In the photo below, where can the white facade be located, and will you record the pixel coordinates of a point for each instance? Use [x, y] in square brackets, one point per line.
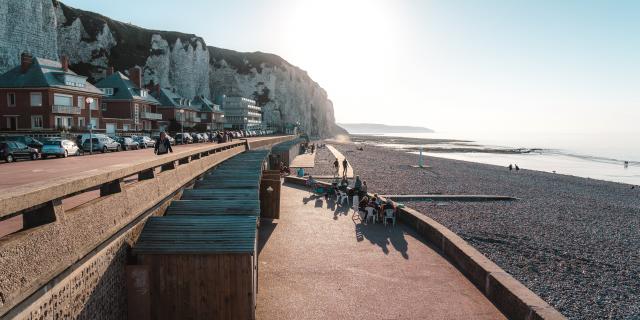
[241, 113]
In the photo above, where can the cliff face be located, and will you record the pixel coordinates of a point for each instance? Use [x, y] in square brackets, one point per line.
[26, 25]
[93, 42]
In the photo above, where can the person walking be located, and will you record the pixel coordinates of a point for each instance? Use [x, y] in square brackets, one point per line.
[336, 165]
[510, 167]
[163, 145]
[345, 164]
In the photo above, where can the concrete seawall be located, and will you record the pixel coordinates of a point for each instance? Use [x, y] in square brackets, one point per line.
[74, 267]
[511, 297]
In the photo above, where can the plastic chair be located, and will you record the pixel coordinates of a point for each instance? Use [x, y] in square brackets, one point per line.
[371, 213]
[355, 203]
[388, 214]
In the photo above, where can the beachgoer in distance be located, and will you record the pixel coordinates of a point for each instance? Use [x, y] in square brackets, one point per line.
[517, 168]
[626, 164]
[163, 145]
[336, 165]
[510, 167]
[345, 164]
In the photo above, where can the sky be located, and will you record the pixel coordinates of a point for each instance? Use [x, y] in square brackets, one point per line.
[565, 66]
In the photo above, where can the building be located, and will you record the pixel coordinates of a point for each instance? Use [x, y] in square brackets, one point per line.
[241, 113]
[42, 94]
[177, 111]
[211, 114]
[127, 105]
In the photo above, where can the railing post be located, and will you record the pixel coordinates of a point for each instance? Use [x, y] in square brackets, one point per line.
[47, 213]
[112, 187]
[168, 166]
[146, 174]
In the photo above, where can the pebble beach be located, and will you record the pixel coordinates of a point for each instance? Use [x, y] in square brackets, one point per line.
[574, 241]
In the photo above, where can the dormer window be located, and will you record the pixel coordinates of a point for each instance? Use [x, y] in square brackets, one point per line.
[74, 81]
[143, 93]
[107, 91]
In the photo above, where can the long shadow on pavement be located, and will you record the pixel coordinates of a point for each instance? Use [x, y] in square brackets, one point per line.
[378, 234]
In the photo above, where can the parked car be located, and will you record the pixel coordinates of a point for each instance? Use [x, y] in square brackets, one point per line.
[144, 141]
[80, 139]
[13, 150]
[31, 142]
[102, 144]
[183, 138]
[198, 137]
[127, 143]
[205, 137]
[60, 148]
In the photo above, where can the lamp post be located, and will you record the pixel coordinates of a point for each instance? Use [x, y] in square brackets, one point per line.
[90, 101]
[182, 125]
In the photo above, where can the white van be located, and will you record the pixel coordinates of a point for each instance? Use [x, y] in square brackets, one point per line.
[80, 139]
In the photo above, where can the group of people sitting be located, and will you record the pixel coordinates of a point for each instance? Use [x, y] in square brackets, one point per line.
[358, 195]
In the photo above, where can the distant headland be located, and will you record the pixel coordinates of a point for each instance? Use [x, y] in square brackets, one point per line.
[355, 128]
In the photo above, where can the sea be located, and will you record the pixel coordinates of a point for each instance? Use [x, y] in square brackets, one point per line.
[590, 155]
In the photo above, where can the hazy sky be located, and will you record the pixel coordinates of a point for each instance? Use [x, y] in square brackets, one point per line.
[452, 65]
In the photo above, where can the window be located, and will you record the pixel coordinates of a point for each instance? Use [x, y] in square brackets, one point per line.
[36, 99]
[125, 127]
[104, 107]
[94, 104]
[81, 122]
[107, 91]
[36, 122]
[136, 113]
[81, 102]
[11, 99]
[143, 93]
[62, 100]
[69, 122]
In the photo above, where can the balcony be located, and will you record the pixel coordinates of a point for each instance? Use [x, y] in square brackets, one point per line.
[151, 116]
[65, 109]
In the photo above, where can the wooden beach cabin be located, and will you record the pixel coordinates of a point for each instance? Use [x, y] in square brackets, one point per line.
[284, 152]
[199, 267]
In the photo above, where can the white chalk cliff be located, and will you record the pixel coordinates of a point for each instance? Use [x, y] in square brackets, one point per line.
[48, 28]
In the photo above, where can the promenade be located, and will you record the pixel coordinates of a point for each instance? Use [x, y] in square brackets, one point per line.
[318, 262]
[25, 172]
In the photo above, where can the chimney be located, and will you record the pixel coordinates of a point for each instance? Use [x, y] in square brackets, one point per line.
[135, 75]
[64, 61]
[109, 71]
[25, 61]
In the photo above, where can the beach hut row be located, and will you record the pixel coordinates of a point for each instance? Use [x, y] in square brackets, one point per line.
[202, 254]
[285, 152]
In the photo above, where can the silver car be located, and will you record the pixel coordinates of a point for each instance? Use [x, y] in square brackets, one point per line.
[60, 148]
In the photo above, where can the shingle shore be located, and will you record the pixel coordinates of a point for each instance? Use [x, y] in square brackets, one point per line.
[573, 241]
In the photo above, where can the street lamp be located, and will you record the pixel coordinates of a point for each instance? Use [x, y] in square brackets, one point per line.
[90, 101]
[182, 125]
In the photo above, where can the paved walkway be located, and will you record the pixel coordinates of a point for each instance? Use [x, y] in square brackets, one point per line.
[341, 157]
[306, 160]
[316, 262]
